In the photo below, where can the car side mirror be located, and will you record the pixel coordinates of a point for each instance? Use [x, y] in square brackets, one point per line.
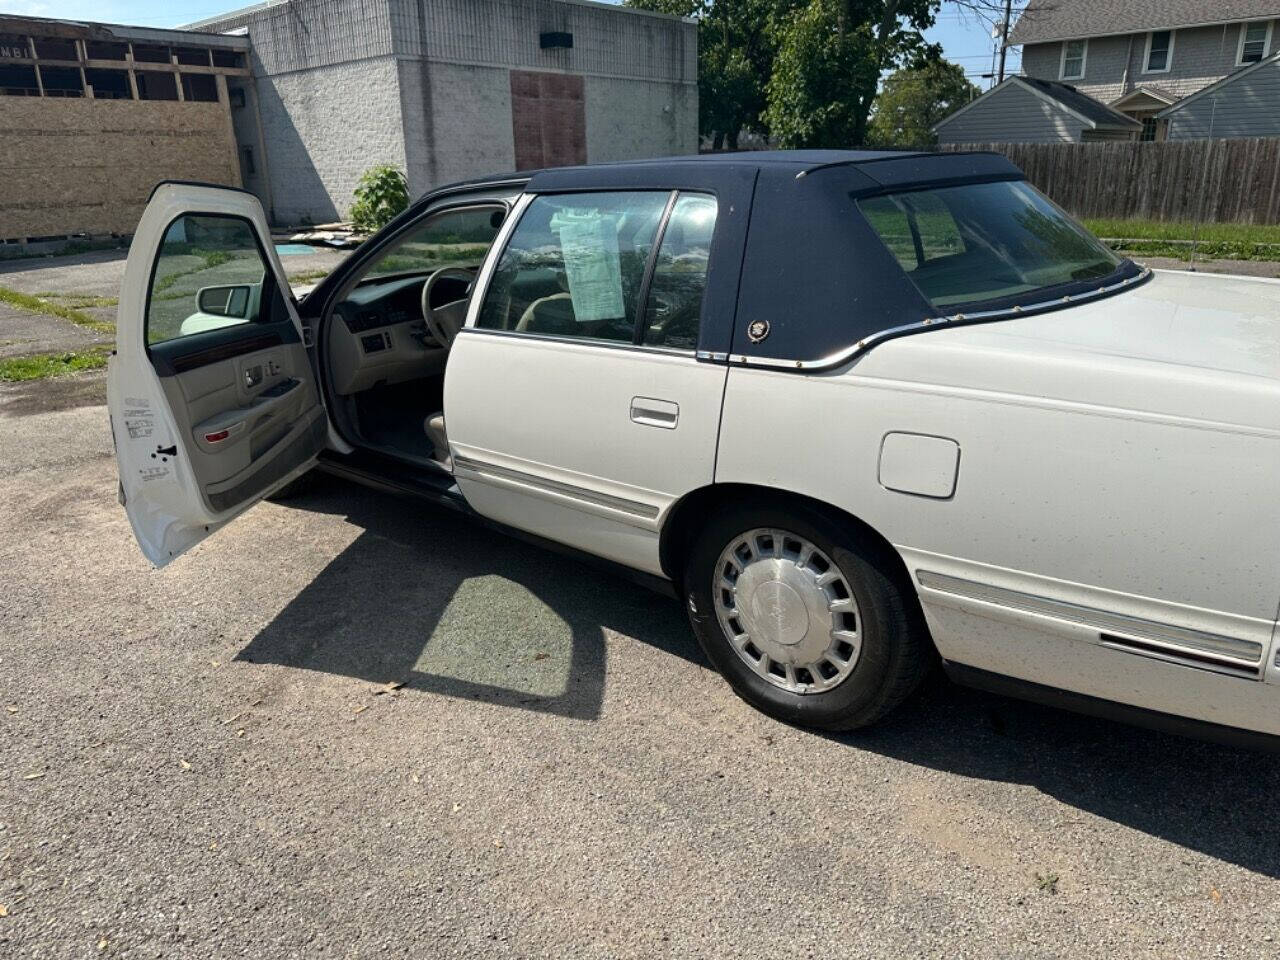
[226, 301]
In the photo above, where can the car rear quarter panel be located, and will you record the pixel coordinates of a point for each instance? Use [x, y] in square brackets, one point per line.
[1166, 518]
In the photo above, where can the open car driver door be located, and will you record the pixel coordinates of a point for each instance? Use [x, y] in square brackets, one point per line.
[212, 397]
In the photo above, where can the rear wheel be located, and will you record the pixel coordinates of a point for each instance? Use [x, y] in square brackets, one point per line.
[805, 622]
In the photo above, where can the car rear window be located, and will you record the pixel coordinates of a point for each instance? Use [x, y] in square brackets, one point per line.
[982, 242]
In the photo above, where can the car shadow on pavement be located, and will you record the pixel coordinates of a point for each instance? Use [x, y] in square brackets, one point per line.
[520, 625]
[1206, 797]
[444, 604]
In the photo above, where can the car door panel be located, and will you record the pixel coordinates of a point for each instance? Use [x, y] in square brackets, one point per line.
[208, 422]
[568, 461]
[583, 433]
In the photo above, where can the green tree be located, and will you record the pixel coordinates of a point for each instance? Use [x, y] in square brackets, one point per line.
[830, 57]
[736, 48]
[914, 99]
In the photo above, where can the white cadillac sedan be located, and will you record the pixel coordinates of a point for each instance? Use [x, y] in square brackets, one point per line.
[857, 410]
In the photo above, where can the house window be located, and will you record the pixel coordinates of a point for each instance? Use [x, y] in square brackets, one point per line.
[1073, 57]
[1153, 129]
[1159, 51]
[250, 168]
[1255, 38]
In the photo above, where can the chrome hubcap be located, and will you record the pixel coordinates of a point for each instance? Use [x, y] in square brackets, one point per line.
[787, 610]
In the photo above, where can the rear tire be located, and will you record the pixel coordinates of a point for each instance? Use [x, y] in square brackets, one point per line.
[804, 618]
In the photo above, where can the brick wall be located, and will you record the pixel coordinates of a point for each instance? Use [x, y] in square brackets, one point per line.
[79, 165]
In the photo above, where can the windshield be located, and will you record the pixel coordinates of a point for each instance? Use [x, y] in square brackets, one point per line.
[985, 241]
[453, 238]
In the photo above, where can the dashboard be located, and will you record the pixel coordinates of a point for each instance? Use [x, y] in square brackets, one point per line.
[379, 335]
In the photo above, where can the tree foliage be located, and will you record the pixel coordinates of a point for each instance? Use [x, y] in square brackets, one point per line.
[803, 72]
[736, 48]
[831, 54]
[381, 193]
[912, 100]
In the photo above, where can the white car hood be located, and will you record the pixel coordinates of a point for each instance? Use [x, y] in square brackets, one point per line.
[1200, 346]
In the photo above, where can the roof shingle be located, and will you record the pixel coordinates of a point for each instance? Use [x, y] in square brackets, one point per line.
[1046, 20]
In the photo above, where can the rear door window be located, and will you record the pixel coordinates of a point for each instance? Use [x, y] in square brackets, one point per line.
[674, 305]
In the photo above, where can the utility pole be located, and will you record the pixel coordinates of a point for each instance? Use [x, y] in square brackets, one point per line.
[1004, 38]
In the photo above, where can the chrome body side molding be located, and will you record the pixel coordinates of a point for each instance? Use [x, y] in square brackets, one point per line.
[1195, 648]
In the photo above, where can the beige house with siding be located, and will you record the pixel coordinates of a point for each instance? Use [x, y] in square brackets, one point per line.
[1140, 58]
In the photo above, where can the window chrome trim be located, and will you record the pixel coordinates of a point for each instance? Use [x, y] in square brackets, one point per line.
[490, 265]
[1230, 651]
[582, 341]
[841, 357]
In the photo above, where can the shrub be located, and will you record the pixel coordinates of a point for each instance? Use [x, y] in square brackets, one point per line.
[381, 193]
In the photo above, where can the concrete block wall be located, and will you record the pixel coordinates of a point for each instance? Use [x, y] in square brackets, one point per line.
[324, 127]
[81, 165]
[1201, 56]
[425, 84]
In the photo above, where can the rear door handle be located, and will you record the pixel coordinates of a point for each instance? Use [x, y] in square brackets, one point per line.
[655, 413]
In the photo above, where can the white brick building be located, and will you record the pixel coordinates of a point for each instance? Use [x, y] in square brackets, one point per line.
[450, 89]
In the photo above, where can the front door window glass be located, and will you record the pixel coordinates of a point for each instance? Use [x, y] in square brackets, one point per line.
[209, 274]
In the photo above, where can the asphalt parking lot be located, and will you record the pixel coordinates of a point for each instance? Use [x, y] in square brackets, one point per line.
[216, 760]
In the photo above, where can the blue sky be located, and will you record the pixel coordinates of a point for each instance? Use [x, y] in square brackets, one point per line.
[963, 38]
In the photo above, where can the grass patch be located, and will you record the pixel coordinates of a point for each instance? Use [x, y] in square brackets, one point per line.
[1227, 241]
[78, 301]
[306, 276]
[35, 304]
[44, 365]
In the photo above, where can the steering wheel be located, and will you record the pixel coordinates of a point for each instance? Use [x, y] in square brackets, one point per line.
[444, 322]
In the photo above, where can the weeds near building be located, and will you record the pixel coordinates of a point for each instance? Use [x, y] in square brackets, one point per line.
[381, 193]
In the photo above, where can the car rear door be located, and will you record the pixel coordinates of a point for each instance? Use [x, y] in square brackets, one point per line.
[212, 399]
[582, 399]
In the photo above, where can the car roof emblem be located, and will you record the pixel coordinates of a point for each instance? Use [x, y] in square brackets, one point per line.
[757, 330]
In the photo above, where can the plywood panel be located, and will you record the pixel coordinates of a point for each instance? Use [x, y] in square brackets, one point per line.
[87, 166]
[548, 119]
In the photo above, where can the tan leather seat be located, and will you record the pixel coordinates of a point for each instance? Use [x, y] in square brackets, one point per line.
[434, 427]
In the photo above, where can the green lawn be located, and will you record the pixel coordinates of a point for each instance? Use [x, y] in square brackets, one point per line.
[52, 364]
[50, 307]
[1231, 241]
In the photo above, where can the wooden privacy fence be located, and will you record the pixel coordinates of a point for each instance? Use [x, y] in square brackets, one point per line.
[1224, 181]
